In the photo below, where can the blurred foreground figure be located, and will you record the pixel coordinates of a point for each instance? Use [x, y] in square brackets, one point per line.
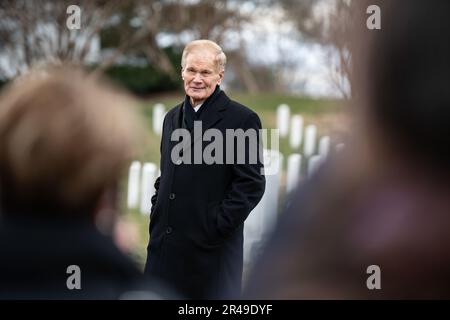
[385, 200]
[64, 141]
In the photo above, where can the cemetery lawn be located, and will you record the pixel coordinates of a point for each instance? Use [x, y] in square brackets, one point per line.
[328, 115]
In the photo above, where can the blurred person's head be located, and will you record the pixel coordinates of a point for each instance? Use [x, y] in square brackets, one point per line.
[385, 201]
[400, 80]
[64, 141]
[203, 67]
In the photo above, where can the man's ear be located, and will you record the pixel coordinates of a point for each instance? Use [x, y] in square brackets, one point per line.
[221, 73]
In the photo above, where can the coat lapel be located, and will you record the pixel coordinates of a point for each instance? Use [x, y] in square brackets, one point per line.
[174, 124]
[176, 119]
[211, 116]
[214, 111]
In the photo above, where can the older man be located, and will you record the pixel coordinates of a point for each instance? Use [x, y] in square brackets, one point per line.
[198, 210]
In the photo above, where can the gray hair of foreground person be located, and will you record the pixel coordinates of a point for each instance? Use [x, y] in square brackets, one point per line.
[64, 141]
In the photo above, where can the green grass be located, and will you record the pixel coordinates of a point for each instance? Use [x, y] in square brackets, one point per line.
[270, 101]
[321, 112]
[328, 115]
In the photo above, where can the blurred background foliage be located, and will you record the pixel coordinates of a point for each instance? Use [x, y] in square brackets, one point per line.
[285, 46]
[288, 51]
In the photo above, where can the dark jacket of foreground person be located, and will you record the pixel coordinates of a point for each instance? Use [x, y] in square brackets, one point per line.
[36, 256]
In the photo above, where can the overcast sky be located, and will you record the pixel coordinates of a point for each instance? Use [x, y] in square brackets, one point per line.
[270, 40]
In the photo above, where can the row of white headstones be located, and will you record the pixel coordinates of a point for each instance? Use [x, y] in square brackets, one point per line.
[262, 219]
[284, 123]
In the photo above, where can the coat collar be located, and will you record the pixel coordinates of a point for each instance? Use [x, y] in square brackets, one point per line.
[212, 113]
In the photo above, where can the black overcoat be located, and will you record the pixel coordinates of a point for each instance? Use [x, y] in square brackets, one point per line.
[198, 210]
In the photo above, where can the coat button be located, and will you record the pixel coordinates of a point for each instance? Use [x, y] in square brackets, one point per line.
[172, 196]
[169, 230]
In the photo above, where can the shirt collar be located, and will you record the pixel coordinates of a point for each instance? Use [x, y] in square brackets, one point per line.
[198, 107]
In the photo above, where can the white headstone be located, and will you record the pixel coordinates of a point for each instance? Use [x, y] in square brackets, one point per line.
[309, 146]
[293, 171]
[267, 208]
[149, 171]
[313, 164]
[324, 146]
[271, 195]
[158, 118]
[283, 113]
[133, 184]
[262, 219]
[253, 233]
[295, 138]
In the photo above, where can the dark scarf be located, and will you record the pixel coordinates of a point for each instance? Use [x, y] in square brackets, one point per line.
[189, 114]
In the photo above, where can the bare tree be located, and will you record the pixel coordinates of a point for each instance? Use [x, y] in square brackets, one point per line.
[148, 15]
[328, 22]
[212, 20]
[33, 32]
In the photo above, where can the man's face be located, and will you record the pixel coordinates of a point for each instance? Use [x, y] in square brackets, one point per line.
[200, 75]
